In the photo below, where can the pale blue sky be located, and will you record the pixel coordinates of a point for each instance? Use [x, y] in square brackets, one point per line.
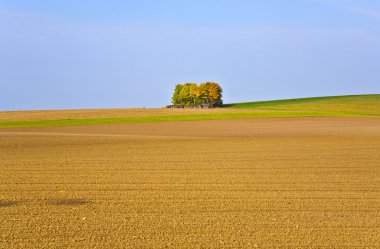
[117, 53]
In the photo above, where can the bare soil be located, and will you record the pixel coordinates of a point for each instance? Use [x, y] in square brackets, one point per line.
[264, 183]
[104, 113]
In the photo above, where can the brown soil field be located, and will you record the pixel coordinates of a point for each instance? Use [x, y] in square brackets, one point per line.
[105, 113]
[260, 183]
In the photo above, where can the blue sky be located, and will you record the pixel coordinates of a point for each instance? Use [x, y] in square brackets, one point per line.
[65, 54]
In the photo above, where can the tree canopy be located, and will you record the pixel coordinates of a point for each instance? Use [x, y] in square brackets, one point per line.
[191, 94]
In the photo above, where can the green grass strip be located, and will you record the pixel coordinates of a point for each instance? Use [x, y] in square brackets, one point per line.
[173, 118]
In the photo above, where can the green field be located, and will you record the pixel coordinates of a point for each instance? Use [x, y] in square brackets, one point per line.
[342, 105]
[335, 106]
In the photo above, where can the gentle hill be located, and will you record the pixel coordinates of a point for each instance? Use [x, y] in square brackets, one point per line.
[355, 105]
[337, 106]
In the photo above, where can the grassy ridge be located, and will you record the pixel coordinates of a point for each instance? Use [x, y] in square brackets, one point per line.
[351, 104]
[339, 106]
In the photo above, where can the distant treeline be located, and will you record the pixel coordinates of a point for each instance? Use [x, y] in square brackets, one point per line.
[191, 94]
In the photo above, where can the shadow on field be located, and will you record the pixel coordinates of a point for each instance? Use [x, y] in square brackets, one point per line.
[69, 202]
[5, 203]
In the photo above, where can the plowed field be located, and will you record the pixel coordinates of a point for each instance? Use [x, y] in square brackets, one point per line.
[264, 183]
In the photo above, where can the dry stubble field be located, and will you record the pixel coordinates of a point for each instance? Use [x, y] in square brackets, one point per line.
[264, 183]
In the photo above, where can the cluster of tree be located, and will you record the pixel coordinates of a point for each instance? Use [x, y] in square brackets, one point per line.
[191, 94]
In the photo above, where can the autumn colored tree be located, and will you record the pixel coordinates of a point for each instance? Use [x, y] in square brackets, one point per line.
[192, 94]
[183, 94]
[214, 93]
[176, 99]
[203, 93]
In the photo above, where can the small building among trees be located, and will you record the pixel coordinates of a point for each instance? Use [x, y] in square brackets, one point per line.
[190, 95]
